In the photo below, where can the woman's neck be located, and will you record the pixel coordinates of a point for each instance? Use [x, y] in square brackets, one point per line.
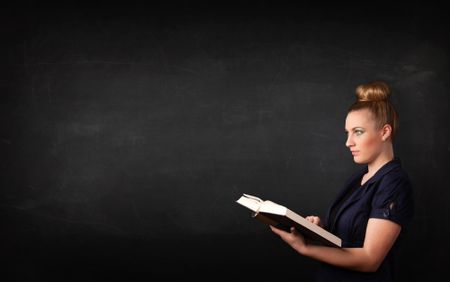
[386, 156]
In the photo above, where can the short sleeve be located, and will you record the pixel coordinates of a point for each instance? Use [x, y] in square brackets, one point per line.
[394, 199]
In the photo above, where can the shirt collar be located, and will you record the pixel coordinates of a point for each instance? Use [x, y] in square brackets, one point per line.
[387, 167]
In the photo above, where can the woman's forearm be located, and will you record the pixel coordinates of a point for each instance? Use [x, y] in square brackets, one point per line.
[351, 258]
[366, 259]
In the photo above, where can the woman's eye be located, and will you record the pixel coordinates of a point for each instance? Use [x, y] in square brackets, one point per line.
[359, 132]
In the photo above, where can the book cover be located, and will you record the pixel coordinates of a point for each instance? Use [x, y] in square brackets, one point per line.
[281, 217]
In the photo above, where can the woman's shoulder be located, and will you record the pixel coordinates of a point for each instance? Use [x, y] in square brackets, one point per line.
[393, 197]
[397, 180]
[390, 172]
[397, 173]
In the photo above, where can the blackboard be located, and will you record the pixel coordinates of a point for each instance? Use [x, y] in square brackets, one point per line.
[129, 132]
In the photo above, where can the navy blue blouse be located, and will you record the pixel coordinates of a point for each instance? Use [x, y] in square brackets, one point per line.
[386, 195]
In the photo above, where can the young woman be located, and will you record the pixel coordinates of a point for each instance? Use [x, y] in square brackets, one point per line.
[376, 204]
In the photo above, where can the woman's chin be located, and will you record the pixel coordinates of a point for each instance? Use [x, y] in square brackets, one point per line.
[358, 160]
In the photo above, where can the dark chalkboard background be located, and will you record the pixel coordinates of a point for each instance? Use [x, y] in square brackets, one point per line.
[128, 132]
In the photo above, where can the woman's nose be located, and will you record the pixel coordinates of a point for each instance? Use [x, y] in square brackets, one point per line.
[349, 142]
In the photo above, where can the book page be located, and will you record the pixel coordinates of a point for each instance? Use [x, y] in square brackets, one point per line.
[258, 205]
[251, 203]
[253, 197]
[271, 207]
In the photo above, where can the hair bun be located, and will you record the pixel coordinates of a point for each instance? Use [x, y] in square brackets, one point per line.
[374, 91]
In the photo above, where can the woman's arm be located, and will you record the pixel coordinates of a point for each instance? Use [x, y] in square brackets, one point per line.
[380, 237]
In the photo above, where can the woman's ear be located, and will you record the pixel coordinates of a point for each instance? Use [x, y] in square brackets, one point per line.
[386, 132]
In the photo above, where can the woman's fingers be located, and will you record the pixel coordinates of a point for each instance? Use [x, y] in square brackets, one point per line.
[314, 219]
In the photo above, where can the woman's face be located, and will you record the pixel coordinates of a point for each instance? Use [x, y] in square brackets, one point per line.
[364, 139]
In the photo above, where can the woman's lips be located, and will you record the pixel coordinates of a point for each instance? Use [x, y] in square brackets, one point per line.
[354, 153]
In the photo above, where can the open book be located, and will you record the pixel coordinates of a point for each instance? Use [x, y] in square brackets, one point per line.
[283, 218]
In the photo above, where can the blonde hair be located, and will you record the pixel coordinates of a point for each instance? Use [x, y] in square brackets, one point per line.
[374, 96]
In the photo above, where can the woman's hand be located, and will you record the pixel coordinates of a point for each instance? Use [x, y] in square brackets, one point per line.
[314, 219]
[293, 238]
